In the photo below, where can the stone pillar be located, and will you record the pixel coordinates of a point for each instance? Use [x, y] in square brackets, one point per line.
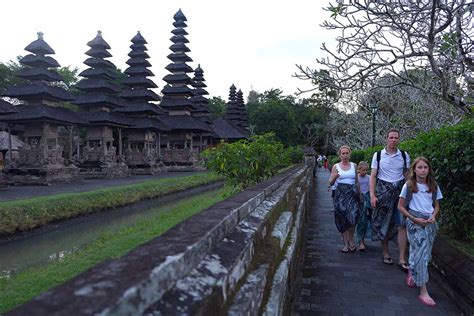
[159, 144]
[44, 141]
[71, 129]
[9, 143]
[120, 142]
[200, 146]
[78, 146]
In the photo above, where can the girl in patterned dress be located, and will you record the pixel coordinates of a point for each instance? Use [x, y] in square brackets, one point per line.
[419, 202]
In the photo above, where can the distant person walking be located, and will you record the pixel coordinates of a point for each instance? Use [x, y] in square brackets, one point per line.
[346, 205]
[326, 164]
[389, 168]
[419, 202]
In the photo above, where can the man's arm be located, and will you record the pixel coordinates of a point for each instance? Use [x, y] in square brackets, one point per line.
[373, 179]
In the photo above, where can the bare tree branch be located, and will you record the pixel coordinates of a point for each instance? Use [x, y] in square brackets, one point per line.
[377, 38]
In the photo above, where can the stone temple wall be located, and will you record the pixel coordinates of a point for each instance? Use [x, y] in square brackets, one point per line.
[238, 257]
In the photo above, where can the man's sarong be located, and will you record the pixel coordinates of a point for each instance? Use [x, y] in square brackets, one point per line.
[421, 239]
[346, 208]
[385, 214]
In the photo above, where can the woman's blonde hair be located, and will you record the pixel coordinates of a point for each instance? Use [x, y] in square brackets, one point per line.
[342, 147]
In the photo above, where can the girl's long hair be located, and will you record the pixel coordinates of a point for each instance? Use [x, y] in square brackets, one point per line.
[430, 180]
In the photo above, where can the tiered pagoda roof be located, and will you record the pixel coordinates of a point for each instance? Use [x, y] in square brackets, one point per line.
[233, 112]
[38, 71]
[177, 91]
[138, 92]
[7, 108]
[200, 102]
[236, 112]
[100, 92]
[37, 90]
[244, 121]
[224, 129]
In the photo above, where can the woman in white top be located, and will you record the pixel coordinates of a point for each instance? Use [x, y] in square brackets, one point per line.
[346, 204]
[419, 202]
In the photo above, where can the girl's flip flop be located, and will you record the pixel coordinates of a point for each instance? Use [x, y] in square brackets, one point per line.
[428, 301]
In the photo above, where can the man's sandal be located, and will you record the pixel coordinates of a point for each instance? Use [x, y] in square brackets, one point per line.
[387, 260]
[403, 266]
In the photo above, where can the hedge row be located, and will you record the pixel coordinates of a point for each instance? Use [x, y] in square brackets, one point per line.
[451, 153]
[23, 215]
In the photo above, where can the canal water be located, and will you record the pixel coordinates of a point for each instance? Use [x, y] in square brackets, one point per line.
[57, 241]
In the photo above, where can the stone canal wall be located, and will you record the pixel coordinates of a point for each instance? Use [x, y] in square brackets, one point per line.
[236, 257]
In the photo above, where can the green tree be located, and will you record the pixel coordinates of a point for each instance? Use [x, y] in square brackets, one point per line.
[274, 112]
[8, 74]
[217, 107]
[70, 76]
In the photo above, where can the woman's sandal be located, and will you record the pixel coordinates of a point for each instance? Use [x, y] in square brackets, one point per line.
[345, 250]
[387, 260]
[403, 266]
[428, 301]
[352, 248]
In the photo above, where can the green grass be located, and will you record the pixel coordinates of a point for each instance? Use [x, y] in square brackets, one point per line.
[26, 214]
[27, 284]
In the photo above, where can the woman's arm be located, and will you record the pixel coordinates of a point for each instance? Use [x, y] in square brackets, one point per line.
[334, 175]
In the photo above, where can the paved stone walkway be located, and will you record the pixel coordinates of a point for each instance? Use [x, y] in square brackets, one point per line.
[333, 283]
[22, 192]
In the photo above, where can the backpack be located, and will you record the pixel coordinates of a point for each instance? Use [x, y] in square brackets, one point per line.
[404, 156]
[434, 194]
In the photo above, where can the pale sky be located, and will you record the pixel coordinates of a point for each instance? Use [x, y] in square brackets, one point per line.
[249, 43]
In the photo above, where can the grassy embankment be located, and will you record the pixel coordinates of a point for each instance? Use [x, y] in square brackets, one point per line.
[24, 215]
[112, 244]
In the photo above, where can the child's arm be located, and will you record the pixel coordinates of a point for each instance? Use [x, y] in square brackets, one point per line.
[432, 218]
[416, 220]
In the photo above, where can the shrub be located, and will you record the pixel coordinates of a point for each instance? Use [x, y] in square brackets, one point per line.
[357, 156]
[248, 162]
[295, 154]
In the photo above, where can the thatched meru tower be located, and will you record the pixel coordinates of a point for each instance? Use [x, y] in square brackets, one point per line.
[243, 121]
[233, 111]
[199, 101]
[43, 159]
[229, 127]
[143, 139]
[177, 95]
[102, 151]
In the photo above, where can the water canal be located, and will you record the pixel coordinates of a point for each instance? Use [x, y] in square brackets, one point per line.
[57, 241]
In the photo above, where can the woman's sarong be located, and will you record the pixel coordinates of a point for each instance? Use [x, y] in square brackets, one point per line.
[421, 239]
[363, 223]
[346, 208]
[385, 212]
